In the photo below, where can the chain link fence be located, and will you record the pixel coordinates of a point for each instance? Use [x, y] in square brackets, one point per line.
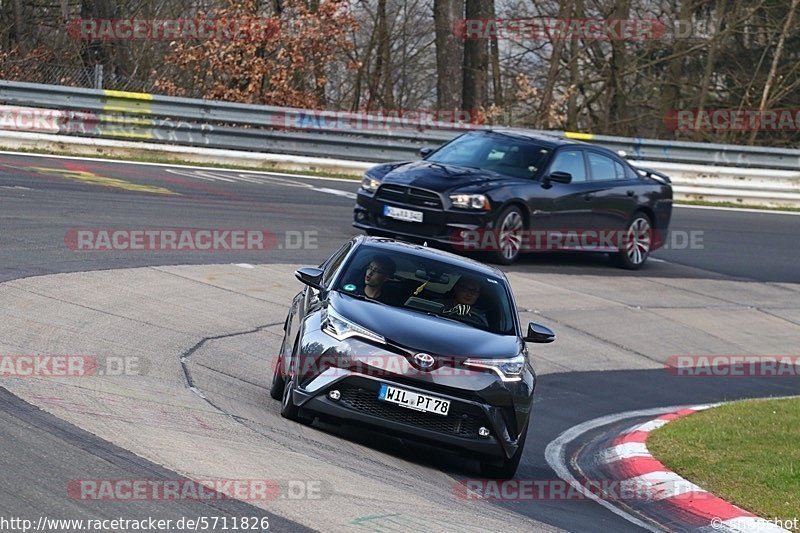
[93, 77]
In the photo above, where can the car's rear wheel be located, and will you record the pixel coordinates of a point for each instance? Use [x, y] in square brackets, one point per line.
[510, 225]
[636, 243]
[289, 409]
[508, 467]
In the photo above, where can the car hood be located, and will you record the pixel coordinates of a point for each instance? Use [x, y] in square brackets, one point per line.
[438, 177]
[423, 333]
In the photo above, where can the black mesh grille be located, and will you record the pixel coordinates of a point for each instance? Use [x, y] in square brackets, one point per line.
[460, 421]
[409, 196]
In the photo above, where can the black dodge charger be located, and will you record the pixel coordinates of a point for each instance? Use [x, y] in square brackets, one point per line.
[507, 192]
[416, 342]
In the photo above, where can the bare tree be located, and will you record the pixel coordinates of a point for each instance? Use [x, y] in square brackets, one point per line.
[476, 60]
[449, 53]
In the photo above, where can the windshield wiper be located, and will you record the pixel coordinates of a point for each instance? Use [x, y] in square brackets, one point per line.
[441, 166]
[443, 317]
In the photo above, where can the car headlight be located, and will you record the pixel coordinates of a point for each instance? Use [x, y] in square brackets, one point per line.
[507, 369]
[340, 328]
[470, 201]
[369, 183]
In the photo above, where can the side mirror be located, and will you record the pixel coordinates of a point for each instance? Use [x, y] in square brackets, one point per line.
[425, 152]
[560, 177]
[539, 333]
[311, 276]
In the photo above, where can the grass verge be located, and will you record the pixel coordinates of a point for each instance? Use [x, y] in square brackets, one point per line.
[747, 453]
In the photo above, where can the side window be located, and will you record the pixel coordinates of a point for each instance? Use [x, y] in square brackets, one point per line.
[619, 170]
[570, 161]
[332, 265]
[602, 167]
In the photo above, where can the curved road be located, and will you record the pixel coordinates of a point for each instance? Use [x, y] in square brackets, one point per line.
[690, 301]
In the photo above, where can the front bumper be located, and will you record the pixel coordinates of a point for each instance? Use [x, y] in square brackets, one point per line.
[359, 404]
[440, 226]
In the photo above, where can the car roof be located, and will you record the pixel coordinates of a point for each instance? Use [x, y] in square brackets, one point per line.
[388, 244]
[549, 140]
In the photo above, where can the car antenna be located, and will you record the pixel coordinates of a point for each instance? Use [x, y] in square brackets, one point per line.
[425, 244]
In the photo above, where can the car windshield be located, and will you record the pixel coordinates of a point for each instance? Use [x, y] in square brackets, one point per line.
[497, 152]
[428, 286]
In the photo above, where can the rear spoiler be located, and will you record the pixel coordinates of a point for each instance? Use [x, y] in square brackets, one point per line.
[654, 174]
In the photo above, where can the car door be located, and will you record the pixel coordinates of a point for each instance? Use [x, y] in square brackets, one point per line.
[571, 202]
[615, 197]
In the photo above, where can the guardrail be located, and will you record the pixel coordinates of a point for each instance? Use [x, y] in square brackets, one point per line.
[71, 111]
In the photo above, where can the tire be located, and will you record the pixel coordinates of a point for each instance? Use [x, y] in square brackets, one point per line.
[278, 376]
[278, 381]
[510, 224]
[289, 410]
[508, 467]
[638, 241]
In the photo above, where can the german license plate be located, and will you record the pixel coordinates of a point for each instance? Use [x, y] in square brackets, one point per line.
[414, 400]
[399, 213]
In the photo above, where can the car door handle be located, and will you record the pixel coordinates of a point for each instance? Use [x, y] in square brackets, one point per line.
[630, 193]
[588, 196]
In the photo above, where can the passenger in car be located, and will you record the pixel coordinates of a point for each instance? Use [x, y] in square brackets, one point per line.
[461, 299]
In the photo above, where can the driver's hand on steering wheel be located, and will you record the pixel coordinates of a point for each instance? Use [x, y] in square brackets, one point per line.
[460, 309]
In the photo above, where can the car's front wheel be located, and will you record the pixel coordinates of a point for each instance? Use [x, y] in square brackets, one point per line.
[289, 409]
[278, 381]
[636, 243]
[510, 226]
[508, 467]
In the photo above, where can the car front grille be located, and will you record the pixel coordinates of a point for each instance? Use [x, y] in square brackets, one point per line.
[409, 196]
[460, 421]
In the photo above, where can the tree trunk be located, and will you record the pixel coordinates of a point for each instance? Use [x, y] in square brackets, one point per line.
[574, 75]
[775, 61]
[545, 111]
[385, 50]
[381, 76]
[476, 60]
[711, 56]
[617, 120]
[494, 49]
[449, 53]
[671, 91]
[19, 25]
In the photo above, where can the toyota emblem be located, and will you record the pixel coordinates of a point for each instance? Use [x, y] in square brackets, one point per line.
[424, 360]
